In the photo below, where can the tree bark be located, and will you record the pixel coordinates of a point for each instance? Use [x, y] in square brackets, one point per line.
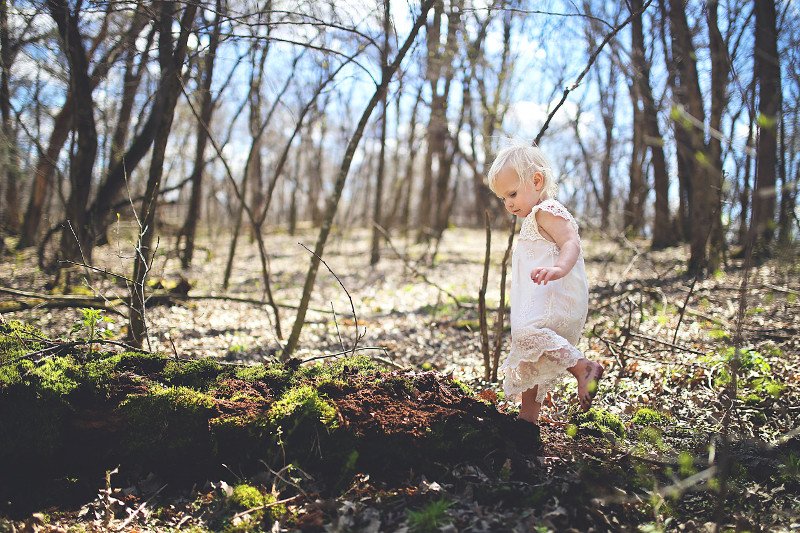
[719, 100]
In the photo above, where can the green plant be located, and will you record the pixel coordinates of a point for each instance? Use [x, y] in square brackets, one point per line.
[96, 325]
[430, 518]
[790, 469]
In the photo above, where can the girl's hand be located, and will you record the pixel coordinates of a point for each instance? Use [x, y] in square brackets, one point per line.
[541, 275]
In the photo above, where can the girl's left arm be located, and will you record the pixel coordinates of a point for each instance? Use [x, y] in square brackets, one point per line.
[565, 236]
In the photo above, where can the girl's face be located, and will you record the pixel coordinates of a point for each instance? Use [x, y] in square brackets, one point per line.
[518, 197]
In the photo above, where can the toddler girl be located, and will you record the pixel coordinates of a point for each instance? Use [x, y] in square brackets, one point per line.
[549, 291]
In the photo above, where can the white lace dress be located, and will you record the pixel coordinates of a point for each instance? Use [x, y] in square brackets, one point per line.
[546, 320]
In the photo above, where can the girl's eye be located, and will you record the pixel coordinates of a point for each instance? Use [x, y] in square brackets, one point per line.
[513, 194]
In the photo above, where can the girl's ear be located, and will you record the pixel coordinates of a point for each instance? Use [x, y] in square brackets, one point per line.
[538, 181]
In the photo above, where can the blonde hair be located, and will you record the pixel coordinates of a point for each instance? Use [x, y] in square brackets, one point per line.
[525, 160]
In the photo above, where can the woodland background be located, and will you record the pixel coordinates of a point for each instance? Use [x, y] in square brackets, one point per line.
[256, 181]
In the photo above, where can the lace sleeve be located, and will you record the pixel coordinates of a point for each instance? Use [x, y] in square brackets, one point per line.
[556, 208]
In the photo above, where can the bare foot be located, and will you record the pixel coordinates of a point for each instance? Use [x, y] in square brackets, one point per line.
[529, 409]
[588, 373]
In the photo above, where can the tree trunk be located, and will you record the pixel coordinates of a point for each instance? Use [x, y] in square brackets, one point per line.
[634, 211]
[8, 151]
[434, 135]
[333, 200]
[375, 251]
[62, 125]
[719, 101]
[768, 70]
[608, 107]
[788, 190]
[75, 236]
[170, 63]
[663, 235]
[206, 112]
[689, 118]
[744, 194]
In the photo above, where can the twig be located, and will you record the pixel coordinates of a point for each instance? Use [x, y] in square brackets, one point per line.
[665, 343]
[381, 348]
[610, 343]
[336, 323]
[501, 307]
[487, 362]
[265, 506]
[352, 306]
[56, 346]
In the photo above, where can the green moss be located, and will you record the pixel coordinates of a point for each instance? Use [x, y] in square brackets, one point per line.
[649, 417]
[143, 362]
[12, 374]
[686, 466]
[342, 369]
[303, 402]
[246, 497]
[17, 339]
[168, 424]
[58, 376]
[650, 439]
[600, 421]
[276, 375]
[398, 383]
[197, 374]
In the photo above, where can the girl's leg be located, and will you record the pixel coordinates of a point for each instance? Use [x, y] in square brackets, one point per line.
[587, 373]
[529, 409]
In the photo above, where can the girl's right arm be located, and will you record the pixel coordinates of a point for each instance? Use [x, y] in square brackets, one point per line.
[566, 238]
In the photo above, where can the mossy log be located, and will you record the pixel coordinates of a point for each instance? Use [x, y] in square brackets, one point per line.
[148, 412]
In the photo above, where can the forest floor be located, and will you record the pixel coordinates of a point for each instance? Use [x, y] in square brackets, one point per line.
[647, 458]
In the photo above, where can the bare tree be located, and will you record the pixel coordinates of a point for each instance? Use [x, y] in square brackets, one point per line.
[75, 234]
[333, 200]
[768, 71]
[663, 235]
[378, 198]
[8, 143]
[206, 112]
[689, 117]
[170, 57]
